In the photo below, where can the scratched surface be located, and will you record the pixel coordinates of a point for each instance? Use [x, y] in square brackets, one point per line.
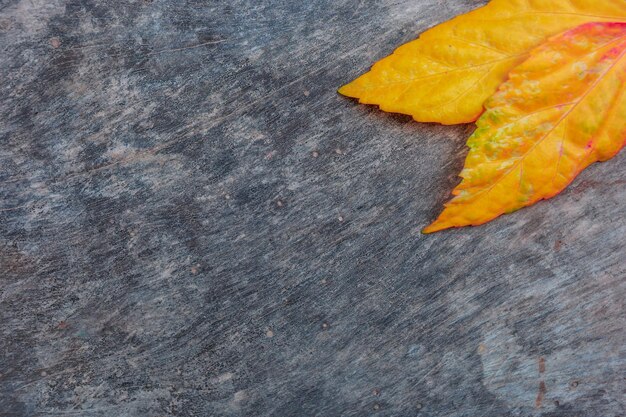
[193, 223]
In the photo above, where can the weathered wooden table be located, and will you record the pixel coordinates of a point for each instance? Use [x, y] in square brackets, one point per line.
[193, 223]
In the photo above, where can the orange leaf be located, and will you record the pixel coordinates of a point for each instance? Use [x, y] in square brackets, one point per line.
[561, 110]
[447, 74]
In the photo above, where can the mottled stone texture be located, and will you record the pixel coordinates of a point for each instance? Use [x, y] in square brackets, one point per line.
[193, 223]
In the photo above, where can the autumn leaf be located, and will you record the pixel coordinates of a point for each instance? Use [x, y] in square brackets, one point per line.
[561, 110]
[447, 74]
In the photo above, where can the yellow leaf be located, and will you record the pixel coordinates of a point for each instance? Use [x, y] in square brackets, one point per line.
[561, 110]
[447, 74]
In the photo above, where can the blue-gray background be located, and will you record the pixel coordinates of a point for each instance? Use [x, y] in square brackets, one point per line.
[193, 223]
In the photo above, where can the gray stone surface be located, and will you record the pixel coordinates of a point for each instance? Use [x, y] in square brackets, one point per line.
[193, 223]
